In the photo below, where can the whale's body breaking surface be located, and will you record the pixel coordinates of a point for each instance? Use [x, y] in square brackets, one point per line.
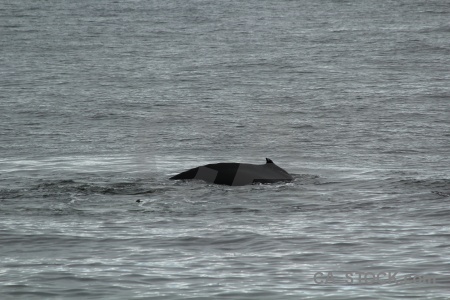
[237, 173]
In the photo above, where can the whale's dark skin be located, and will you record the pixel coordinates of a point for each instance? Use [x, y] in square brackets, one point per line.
[237, 173]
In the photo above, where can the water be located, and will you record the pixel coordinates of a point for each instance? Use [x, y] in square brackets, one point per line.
[102, 102]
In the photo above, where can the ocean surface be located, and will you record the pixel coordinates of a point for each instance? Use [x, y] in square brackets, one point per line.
[102, 101]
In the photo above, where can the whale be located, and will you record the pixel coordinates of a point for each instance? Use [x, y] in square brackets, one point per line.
[236, 174]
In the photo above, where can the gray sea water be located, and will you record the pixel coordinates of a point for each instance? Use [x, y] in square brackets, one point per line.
[102, 101]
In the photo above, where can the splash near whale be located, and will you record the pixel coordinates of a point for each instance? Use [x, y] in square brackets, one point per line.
[236, 174]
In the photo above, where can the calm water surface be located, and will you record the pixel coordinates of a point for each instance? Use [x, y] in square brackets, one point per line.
[102, 102]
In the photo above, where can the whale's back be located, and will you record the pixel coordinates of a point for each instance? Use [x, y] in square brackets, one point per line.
[237, 173]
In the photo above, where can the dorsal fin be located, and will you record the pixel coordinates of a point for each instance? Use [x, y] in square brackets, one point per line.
[269, 161]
